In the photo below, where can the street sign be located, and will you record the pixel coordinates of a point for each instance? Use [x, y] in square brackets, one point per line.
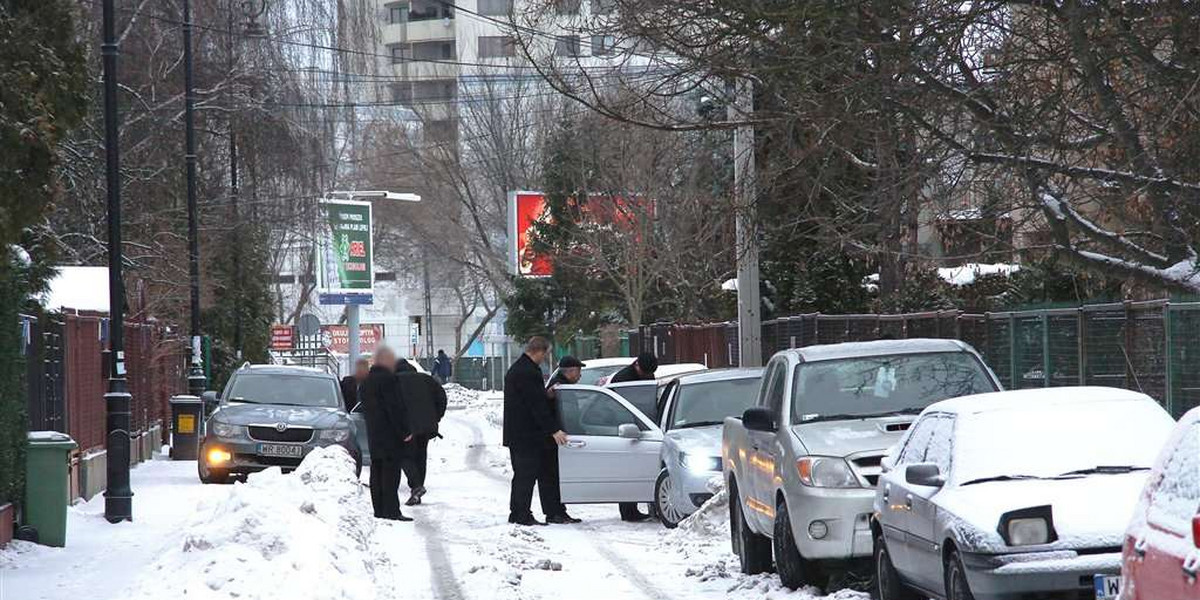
[282, 337]
[345, 253]
[309, 325]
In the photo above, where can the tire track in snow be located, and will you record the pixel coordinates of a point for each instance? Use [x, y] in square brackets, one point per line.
[475, 462]
[441, 571]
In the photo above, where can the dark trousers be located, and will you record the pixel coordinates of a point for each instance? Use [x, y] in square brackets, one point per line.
[385, 486]
[416, 461]
[534, 464]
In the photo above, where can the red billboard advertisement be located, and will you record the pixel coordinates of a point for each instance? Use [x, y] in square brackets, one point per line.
[525, 209]
[282, 337]
[336, 338]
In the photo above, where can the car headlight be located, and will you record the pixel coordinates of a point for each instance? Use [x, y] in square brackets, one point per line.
[698, 463]
[336, 436]
[224, 430]
[1028, 526]
[826, 472]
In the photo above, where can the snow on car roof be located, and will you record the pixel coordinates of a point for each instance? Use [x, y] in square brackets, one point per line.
[876, 348]
[1034, 399]
[608, 362]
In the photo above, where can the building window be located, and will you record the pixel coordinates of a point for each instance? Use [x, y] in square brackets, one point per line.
[603, 7]
[567, 7]
[385, 276]
[567, 45]
[497, 46]
[443, 50]
[495, 8]
[400, 93]
[603, 45]
[425, 10]
[397, 13]
[400, 52]
[441, 132]
[441, 89]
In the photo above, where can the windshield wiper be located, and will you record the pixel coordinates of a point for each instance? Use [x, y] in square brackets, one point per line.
[698, 424]
[1000, 478]
[862, 416]
[1105, 470]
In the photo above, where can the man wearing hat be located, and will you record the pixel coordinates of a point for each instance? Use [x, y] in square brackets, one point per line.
[569, 371]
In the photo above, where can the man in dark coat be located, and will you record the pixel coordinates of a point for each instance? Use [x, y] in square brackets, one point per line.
[424, 405]
[641, 369]
[387, 430]
[531, 433]
[352, 384]
[570, 369]
[443, 367]
[403, 366]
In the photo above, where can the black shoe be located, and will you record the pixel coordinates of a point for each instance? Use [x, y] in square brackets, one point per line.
[562, 519]
[419, 492]
[413, 500]
[402, 518]
[528, 521]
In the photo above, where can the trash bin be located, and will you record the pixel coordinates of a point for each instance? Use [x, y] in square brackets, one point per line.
[48, 485]
[187, 420]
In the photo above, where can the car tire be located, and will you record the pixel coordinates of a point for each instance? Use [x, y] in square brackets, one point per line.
[668, 514]
[957, 587]
[207, 476]
[794, 570]
[887, 584]
[753, 550]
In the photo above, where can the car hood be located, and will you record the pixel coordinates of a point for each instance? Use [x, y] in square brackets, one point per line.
[697, 440]
[843, 438]
[1088, 512]
[269, 414]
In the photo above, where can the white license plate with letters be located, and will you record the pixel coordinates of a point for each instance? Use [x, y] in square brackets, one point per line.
[1108, 587]
[281, 450]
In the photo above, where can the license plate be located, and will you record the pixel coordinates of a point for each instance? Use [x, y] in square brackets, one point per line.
[281, 450]
[1108, 587]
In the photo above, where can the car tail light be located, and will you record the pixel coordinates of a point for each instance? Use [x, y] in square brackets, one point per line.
[1196, 531]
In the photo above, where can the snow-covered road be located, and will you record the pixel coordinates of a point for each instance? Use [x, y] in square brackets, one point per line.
[459, 548]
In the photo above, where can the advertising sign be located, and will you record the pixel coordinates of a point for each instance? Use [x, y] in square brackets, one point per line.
[282, 337]
[345, 270]
[525, 209]
[336, 338]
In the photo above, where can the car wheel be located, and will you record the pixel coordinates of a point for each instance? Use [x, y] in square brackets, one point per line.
[209, 476]
[957, 587]
[669, 514]
[794, 570]
[888, 585]
[753, 550]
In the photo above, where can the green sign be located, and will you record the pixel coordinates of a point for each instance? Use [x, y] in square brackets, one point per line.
[344, 249]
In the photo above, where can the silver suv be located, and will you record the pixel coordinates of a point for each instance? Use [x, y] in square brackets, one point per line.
[801, 465]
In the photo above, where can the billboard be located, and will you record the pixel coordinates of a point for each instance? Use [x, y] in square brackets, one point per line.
[345, 270]
[525, 210]
[282, 337]
[336, 338]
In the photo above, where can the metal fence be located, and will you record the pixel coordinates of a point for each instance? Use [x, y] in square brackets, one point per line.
[1150, 346]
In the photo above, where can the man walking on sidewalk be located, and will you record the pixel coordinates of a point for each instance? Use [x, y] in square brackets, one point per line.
[531, 432]
[387, 430]
[443, 367]
[424, 405]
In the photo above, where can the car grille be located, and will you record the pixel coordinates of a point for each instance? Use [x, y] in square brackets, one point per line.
[869, 467]
[295, 435]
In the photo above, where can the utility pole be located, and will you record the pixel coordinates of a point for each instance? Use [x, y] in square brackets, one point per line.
[428, 308]
[237, 221]
[118, 497]
[196, 379]
[745, 207]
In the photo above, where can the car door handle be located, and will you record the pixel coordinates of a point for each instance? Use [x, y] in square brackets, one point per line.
[908, 501]
[576, 443]
[1189, 567]
[1139, 548]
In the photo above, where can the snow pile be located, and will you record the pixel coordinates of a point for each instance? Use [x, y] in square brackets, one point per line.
[968, 273]
[18, 554]
[458, 396]
[304, 536]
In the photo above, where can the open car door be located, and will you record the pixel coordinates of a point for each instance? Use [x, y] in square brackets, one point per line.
[360, 433]
[612, 452]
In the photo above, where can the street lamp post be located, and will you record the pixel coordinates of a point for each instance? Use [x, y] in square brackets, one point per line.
[196, 380]
[118, 497]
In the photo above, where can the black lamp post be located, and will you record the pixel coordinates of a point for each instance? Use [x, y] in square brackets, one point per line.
[197, 382]
[118, 497]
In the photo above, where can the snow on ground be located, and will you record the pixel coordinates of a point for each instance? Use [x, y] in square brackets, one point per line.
[309, 536]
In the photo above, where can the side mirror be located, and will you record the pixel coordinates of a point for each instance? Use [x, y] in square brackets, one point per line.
[1196, 531]
[924, 474]
[210, 400]
[758, 419]
[629, 431]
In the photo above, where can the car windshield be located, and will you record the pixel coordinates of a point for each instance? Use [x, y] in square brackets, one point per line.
[643, 397]
[882, 385]
[290, 390]
[1098, 438]
[591, 375]
[708, 403]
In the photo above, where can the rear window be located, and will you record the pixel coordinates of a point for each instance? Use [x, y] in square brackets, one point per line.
[288, 390]
[883, 385]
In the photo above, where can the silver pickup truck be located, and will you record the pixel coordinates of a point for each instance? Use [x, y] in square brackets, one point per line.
[801, 465]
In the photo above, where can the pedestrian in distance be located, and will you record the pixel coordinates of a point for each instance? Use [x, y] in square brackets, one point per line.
[424, 406]
[641, 369]
[443, 367]
[387, 431]
[531, 434]
[352, 384]
[570, 369]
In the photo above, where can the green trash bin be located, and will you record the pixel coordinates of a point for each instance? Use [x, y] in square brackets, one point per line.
[48, 485]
